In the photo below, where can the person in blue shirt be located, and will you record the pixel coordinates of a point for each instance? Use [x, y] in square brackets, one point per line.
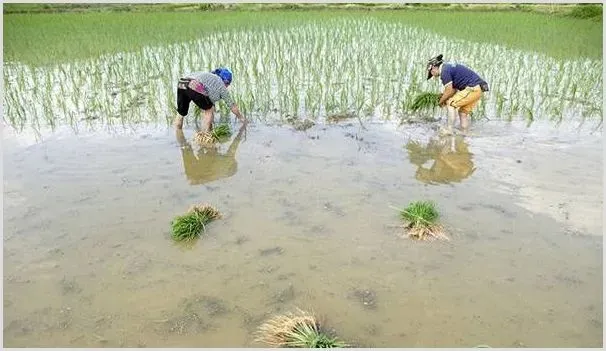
[463, 88]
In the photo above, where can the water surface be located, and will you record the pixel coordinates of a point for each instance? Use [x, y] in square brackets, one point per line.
[308, 222]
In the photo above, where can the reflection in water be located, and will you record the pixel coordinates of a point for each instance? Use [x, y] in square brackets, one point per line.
[208, 165]
[452, 161]
[123, 283]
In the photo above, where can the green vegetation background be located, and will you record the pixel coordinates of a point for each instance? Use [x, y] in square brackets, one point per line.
[41, 34]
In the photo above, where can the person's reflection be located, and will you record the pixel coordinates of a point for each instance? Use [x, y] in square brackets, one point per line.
[208, 165]
[452, 161]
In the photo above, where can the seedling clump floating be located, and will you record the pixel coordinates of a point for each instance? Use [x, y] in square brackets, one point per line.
[192, 224]
[300, 330]
[420, 221]
[218, 134]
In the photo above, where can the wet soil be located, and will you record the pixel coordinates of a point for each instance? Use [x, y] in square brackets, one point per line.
[308, 223]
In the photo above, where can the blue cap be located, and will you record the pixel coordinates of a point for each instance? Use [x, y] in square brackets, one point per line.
[224, 73]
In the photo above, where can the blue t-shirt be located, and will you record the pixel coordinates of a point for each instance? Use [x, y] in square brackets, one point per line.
[460, 76]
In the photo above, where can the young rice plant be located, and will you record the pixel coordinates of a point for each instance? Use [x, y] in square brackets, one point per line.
[192, 224]
[421, 221]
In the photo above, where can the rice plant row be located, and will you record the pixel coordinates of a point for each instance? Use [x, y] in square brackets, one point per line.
[364, 67]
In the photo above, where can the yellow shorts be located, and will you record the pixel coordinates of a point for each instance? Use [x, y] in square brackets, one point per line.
[465, 100]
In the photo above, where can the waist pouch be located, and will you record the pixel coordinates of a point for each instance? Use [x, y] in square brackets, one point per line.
[185, 83]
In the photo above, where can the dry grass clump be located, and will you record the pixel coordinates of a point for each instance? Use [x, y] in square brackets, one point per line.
[300, 330]
[192, 224]
[420, 221]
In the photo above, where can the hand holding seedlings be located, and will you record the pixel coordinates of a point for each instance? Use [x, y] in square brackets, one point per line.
[425, 100]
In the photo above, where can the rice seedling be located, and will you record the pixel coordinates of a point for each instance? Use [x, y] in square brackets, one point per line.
[425, 100]
[421, 221]
[193, 223]
[277, 82]
[297, 330]
[204, 138]
[221, 132]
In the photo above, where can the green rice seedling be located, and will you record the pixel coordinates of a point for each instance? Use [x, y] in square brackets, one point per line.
[221, 132]
[284, 82]
[425, 100]
[192, 224]
[420, 212]
[421, 221]
[300, 330]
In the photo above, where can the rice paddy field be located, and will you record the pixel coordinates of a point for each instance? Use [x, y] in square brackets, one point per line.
[94, 175]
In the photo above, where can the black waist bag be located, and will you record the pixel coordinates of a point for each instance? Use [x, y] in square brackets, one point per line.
[484, 86]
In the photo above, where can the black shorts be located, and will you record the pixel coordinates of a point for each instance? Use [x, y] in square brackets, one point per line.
[185, 96]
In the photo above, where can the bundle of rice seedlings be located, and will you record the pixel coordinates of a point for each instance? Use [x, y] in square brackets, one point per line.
[204, 138]
[301, 330]
[425, 100]
[191, 225]
[221, 132]
[420, 221]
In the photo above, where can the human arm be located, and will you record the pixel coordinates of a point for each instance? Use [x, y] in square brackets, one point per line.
[448, 82]
[226, 96]
[236, 111]
[449, 91]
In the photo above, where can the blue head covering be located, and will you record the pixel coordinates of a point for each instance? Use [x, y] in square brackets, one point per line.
[224, 73]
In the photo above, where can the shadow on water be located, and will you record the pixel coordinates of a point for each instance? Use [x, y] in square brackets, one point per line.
[208, 163]
[443, 160]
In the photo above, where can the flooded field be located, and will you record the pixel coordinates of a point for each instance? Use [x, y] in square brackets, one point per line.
[94, 174]
[313, 70]
[89, 261]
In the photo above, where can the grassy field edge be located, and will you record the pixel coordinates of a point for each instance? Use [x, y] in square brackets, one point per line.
[57, 37]
[572, 10]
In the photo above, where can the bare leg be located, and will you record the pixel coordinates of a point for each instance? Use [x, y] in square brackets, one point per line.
[452, 113]
[464, 121]
[208, 119]
[178, 122]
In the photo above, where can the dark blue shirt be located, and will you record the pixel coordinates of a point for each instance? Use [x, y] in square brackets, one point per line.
[460, 76]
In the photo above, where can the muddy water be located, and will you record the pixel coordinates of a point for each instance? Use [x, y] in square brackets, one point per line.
[88, 259]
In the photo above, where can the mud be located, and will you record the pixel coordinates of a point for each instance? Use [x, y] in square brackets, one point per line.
[89, 261]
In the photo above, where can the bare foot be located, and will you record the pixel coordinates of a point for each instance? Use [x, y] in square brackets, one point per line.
[178, 122]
